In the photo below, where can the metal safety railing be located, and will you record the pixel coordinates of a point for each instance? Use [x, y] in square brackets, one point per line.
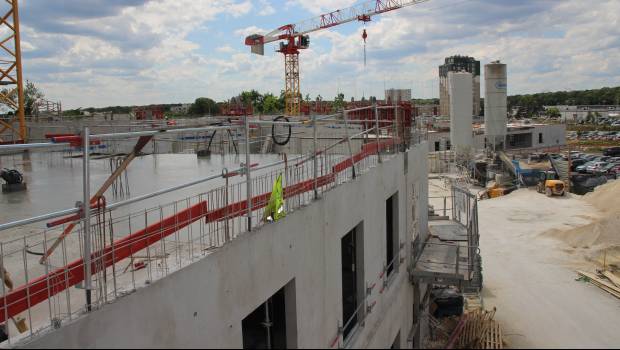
[113, 250]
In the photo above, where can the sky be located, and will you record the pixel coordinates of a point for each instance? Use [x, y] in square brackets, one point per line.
[96, 53]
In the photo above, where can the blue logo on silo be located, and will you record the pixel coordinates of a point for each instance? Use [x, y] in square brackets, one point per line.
[501, 85]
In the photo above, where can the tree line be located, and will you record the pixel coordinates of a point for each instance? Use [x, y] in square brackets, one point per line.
[532, 104]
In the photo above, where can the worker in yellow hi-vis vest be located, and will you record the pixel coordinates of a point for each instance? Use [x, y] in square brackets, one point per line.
[275, 208]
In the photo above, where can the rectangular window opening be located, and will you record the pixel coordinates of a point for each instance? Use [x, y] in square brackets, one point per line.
[391, 233]
[353, 289]
[273, 323]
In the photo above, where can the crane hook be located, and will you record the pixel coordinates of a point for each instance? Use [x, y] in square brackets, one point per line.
[364, 36]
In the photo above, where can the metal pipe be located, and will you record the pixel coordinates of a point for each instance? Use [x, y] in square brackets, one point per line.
[123, 135]
[377, 131]
[30, 146]
[39, 218]
[315, 163]
[268, 122]
[86, 215]
[248, 172]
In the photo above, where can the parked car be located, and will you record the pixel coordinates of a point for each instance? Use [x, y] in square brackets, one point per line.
[610, 170]
[582, 168]
[595, 167]
[577, 162]
[612, 151]
[589, 157]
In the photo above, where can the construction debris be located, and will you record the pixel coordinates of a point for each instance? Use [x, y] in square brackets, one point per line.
[602, 281]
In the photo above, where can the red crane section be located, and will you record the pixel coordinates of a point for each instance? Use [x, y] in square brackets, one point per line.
[294, 37]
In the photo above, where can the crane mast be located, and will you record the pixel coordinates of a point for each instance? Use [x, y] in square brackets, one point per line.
[12, 130]
[295, 37]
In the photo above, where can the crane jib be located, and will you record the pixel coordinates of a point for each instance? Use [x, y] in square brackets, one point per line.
[360, 12]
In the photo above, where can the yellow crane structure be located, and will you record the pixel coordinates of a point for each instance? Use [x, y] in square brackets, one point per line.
[13, 125]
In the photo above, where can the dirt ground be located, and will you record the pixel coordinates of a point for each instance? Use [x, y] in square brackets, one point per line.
[530, 276]
[529, 267]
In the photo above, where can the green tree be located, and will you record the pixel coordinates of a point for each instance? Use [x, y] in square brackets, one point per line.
[72, 113]
[553, 112]
[31, 95]
[271, 104]
[339, 101]
[203, 106]
[250, 97]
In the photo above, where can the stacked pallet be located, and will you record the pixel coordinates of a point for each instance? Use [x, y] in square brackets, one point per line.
[481, 331]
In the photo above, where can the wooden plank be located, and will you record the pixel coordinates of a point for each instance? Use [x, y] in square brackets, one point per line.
[613, 278]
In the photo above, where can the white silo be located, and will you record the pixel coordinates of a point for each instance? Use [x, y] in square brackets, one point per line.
[495, 104]
[460, 88]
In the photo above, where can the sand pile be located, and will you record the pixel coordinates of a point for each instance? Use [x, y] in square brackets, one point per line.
[605, 198]
[601, 237]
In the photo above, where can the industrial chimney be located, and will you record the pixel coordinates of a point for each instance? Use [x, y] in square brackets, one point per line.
[495, 104]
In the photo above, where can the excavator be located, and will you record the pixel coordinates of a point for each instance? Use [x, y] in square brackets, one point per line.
[549, 184]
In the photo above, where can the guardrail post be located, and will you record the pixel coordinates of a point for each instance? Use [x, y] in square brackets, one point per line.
[86, 215]
[346, 131]
[248, 174]
[315, 155]
[377, 130]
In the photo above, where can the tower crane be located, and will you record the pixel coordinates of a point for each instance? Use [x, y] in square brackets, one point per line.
[295, 37]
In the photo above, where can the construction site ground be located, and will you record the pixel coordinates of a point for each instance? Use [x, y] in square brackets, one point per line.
[529, 271]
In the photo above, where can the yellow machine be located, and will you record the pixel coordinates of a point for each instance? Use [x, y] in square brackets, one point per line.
[549, 184]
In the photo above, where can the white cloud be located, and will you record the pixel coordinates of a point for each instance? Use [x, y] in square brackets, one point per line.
[144, 54]
[265, 8]
[225, 49]
[243, 32]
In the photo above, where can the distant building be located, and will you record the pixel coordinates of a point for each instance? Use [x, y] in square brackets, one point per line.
[456, 64]
[181, 109]
[398, 95]
[520, 136]
[580, 113]
[427, 110]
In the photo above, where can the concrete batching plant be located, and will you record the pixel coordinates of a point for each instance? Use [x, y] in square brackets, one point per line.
[495, 104]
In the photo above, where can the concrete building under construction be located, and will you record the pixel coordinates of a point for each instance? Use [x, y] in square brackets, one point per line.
[346, 259]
